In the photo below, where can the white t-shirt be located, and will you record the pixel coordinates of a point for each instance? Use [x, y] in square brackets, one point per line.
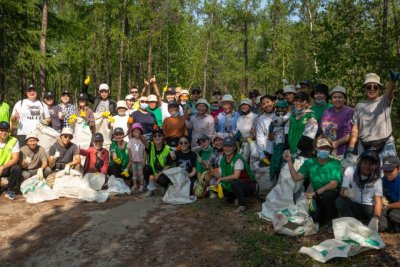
[30, 113]
[121, 121]
[165, 112]
[239, 165]
[363, 196]
[103, 106]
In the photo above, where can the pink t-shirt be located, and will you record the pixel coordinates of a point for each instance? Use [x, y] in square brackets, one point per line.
[137, 150]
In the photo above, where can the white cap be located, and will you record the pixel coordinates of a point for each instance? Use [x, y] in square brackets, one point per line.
[31, 135]
[245, 101]
[129, 97]
[67, 130]
[152, 98]
[104, 86]
[121, 104]
[289, 89]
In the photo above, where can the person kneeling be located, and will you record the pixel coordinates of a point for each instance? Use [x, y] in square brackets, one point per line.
[361, 193]
[33, 158]
[237, 179]
[97, 157]
[324, 174]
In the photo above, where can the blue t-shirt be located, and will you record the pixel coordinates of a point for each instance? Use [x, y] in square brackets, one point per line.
[391, 189]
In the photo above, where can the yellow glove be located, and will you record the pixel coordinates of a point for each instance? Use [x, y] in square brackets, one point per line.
[125, 173]
[111, 119]
[118, 161]
[220, 191]
[165, 89]
[266, 161]
[106, 114]
[83, 114]
[87, 80]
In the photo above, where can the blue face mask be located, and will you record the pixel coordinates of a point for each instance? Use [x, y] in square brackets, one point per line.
[298, 111]
[144, 106]
[323, 154]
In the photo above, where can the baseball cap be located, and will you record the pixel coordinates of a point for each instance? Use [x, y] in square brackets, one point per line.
[324, 142]
[66, 92]
[158, 130]
[31, 86]
[217, 92]
[289, 89]
[4, 125]
[83, 96]
[389, 163]
[170, 91]
[104, 86]
[195, 89]
[282, 104]
[98, 137]
[202, 137]
[129, 97]
[49, 94]
[229, 141]
[118, 130]
[172, 103]
[307, 83]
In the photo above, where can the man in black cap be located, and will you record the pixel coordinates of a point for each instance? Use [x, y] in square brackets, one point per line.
[54, 110]
[391, 190]
[217, 94]
[306, 87]
[9, 155]
[320, 94]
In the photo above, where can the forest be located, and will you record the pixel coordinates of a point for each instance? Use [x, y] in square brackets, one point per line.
[237, 45]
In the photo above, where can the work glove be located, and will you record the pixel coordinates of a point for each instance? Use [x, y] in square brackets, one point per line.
[67, 169]
[350, 193]
[172, 155]
[57, 154]
[28, 160]
[40, 173]
[348, 152]
[118, 161]
[394, 75]
[374, 224]
[125, 173]
[44, 122]
[385, 202]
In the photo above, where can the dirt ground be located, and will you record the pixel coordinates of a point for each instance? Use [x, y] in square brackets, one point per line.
[139, 231]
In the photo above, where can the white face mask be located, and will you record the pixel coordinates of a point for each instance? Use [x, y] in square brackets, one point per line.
[144, 106]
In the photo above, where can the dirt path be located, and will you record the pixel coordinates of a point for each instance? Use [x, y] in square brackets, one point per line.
[124, 231]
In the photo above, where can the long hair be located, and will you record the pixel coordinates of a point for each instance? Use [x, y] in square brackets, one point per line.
[375, 175]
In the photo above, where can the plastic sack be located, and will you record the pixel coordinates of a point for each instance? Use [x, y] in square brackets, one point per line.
[117, 187]
[282, 195]
[102, 127]
[263, 178]
[351, 238]
[179, 191]
[36, 190]
[47, 136]
[72, 186]
[350, 160]
[245, 151]
[294, 220]
[82, 136]
[94, 180]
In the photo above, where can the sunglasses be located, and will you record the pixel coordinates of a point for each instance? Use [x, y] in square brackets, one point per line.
[372, 87]
[183, 143]
[134, 92]
[158, 135]
[67, 136]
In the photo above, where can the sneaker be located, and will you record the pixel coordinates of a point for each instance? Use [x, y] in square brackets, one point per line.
[134, 188]
[213, 195]
[236, 203]
[10, 195]
[240, 209]
[141, 189]
[149, 193]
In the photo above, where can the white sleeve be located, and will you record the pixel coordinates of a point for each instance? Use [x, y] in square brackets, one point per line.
[180, 110]
[239, 165]
[260, 134]
[378, 191]
[46, 111]
[16, 108]
[347, 177]
[15, 148]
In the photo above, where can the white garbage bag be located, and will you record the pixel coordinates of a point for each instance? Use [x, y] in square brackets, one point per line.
[117, 187]
[282, 195]
[263, 178]
[245, 151]
[351, 238]
[179, 191]
[72, 186]
[94, 180]
[36, 190]
[47, 136]
[294, 220]
[82, 136]
[102, 127]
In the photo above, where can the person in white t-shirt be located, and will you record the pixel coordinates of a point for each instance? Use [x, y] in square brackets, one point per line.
[121, 119]
[361, 193]
[28, 113]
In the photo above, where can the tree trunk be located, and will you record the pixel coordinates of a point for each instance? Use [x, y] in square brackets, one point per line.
[2, 70]
[150, 57]
[206, 56]
[246, 57]
[396, 26]
[384, 47]
[42, 71]
[121, 50]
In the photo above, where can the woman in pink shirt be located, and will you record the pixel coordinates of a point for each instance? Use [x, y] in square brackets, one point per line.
[97, 157]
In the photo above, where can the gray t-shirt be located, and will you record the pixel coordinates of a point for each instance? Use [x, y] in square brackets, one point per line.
[66, 153]
[37, 156]
[103, 106]
[363, 196]
[373, 119]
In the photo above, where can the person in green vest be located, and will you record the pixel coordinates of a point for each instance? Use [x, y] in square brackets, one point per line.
[301, 129]
[320, 94]
[160, 157]
[236, 178]
[4, 109]
[325, 176]
[9, 156]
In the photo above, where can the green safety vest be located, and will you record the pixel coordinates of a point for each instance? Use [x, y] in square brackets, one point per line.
[4, 112]
[162, 157]
[228, 169]
[6, 152]
[296, 129]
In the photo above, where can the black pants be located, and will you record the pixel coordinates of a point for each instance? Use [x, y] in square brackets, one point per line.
[163, 180]
[349, 208]
[240, 190]
[13, 175]
[115, 170]
[326, 208]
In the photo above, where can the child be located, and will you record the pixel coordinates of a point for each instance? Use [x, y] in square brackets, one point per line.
[137, 156]
[121, 119]
[85, 112]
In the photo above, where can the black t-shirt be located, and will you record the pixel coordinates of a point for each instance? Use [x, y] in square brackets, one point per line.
[186, 159]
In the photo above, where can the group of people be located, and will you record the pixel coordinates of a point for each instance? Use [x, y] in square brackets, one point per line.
[152, 131]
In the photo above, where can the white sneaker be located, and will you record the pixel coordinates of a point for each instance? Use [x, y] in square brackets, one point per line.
[213, 195]
[240, 209]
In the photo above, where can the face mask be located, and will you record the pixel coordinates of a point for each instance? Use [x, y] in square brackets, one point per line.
[174, 115]
[321, 102]
[280, 113]
[323, 154]
[144, 106]
[298, 111]
[245, 113]
[183, 102]
[214, 108]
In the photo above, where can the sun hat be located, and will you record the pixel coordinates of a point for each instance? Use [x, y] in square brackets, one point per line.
[245, 101]
[67, 131]
[227, 98]
[143, 98]
[152, 98]
[202, 101]
[289, 89]
[137, 125]
[31, 135]
[372, 78]
[121, 104]
[338, 89]
[322, 88]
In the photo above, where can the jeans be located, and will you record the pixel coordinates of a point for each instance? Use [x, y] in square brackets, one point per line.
[326, 209]
[163, 180]
[13, 174]
[349, 208]
[240, 190]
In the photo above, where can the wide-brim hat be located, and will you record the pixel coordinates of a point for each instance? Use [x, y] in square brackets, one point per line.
[289, 89]
[122, 104]
[322, 88]
[67, 131]
[202, 101]
[31, 135]
[338, 89]
[227, 98]
[245, 101]
[372, 78]
[152, 98]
